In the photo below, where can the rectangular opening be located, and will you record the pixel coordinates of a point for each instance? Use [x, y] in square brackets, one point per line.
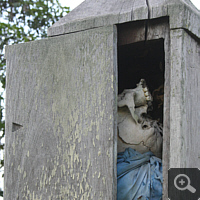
[139, 59]
[143, 60]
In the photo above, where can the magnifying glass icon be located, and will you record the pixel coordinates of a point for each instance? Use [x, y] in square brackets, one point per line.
[182, 182]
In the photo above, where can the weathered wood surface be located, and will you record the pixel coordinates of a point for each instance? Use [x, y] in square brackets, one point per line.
[61, 102]
[93, 13]
[166, 109]
[184, 101]
[135, 32]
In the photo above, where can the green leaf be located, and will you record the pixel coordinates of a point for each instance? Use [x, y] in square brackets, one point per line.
[1, 193]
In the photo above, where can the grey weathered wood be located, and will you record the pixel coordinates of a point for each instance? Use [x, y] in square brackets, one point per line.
[125, 14]
[184, 100]
[93, 13]
[158, 8]
[135, 32]
[166, 111]
[62, 91]
[184, 16]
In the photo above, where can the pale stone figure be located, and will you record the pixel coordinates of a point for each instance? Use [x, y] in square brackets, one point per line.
[135, 128]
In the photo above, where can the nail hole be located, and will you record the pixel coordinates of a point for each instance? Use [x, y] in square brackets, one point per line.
[16, 127]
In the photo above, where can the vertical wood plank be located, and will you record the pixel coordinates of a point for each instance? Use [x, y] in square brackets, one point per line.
[166, 120]
[185, 75]
[62, 91]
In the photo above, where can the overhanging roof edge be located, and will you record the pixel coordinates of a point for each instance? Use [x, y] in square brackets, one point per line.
[181, 16]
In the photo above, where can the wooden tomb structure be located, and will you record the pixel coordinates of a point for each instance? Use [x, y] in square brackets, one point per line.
[61, 96]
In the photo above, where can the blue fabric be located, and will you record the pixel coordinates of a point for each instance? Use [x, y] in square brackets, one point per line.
[139, 176]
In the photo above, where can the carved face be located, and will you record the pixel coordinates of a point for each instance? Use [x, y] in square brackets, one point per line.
[135, 128]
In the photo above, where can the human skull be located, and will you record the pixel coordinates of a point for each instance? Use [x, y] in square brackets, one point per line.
[135, 128]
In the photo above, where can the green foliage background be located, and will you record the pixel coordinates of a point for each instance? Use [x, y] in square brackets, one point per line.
[22, 21]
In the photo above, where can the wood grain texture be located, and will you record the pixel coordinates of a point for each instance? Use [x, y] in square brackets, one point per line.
[184, 106]
[166, 110]
[135, 32]
[95, 8]
[184, 16]
[63, 92]
[93, 13]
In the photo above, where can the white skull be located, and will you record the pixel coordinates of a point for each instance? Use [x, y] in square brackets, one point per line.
[135, 128]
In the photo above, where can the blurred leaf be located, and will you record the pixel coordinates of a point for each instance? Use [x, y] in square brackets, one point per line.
[1, 163]
[1, 193]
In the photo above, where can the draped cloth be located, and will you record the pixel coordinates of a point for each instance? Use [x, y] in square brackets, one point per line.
[139, 176]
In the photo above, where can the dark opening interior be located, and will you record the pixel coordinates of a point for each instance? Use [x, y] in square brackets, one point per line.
[143, 60]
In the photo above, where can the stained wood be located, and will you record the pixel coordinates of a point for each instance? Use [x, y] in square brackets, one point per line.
[61, 91]
[184, 106]
[135, 31]
[166, 111]
[92, 13]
